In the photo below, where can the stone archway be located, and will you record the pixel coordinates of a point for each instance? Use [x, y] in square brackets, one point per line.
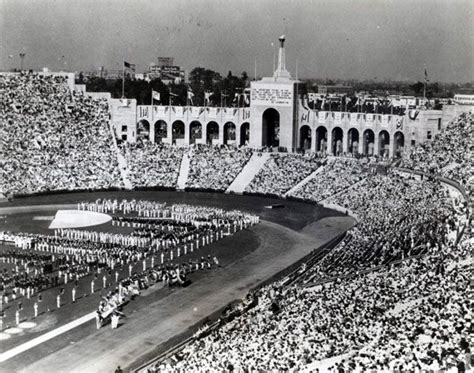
[143, 130]
[321, 139]
[195, 131]
[212, 133]
[305, 137]
[384, 144]
[244, 133]
[337, 139]
[229, 134]
[353, 141]
[161, 131]
[177, 130]
[368, 142]
[271, 128]
[399, 142]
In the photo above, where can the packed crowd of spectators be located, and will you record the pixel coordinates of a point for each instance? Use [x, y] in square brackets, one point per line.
[390, 297]
[336, 175]
[215, 167]
[153, 165]
[283, 171]
[448, 154]
[52, 138]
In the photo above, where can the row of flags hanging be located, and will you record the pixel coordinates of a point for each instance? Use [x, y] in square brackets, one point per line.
[156, 96]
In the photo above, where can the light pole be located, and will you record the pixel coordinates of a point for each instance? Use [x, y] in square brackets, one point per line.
[22, 57]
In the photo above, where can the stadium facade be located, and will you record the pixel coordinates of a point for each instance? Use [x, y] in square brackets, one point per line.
[275, 117]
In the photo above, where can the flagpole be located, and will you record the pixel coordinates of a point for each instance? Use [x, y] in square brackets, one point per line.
[255, 72]
[123, 79]
[152, 106]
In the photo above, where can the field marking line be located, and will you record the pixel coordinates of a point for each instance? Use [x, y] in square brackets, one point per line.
[45, 337]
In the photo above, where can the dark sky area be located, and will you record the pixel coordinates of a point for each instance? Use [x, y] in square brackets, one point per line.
[360, 39]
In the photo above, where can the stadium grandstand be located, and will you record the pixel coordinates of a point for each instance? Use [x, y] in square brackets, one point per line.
[391, 294]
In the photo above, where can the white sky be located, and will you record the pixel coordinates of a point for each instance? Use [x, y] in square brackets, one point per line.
[387, 39]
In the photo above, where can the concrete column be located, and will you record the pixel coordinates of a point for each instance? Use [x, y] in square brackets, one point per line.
[361, 142]
[237, 134]
[313, 140]
[169, 132]
[376, 143]
[345, 142]
[203, 133]
[152, 132]
[221, 134]
[391, 148]
[187, 137]
[329, 146]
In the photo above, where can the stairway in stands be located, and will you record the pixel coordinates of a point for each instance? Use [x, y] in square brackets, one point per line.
[305, 180]
[249, 171]
[122, 163]
[183, 172]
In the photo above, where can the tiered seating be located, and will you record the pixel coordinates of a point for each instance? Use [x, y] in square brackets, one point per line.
[153, 165]
[215, 168]
[281, 172]
[52, 138]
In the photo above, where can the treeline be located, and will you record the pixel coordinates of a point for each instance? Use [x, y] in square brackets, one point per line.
[221, 90]
[433, 89]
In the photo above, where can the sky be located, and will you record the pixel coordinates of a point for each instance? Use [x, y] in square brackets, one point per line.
[345, 39]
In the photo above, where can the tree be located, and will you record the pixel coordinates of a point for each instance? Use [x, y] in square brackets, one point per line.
[417, 87]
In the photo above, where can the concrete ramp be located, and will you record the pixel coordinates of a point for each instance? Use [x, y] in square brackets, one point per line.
[304, 181]
[249, 171]
[183, 172]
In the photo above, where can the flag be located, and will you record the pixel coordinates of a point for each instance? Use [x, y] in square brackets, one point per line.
[128, 65]
[305, 102]
[400, 123]
[247, 99]
[207, 97]
[155, 95]
[190, 96]
[173, 94]
[236, 98]
[426, 76]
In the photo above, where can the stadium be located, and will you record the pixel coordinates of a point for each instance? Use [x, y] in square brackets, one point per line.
[271, 237]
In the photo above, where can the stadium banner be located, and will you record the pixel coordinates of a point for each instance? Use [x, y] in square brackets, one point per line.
[275, 94]
[195, 112]
[212, 112]
[159, 111]
[369, 119]
[179, 111]
[337, 117]
[246, 113]
[353, 117]
[322, 116]
[143, 111]
[305, 116]
[229, 113]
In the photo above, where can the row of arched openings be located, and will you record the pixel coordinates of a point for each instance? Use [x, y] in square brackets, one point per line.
[353, 139]
[195, 132]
